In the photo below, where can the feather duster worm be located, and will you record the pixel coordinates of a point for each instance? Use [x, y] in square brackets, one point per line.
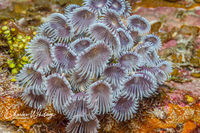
[93, 60]
[31, 79]
[70, 8]
[118, 6]
[130, 60]
[35, 101]
[111, 19]
[139, 85]
[155, 40]
[101, 32]
[127, 9]
[59, 28]
[100, 97]
[138, 23]
[79, 82]
[124, 108]
[39, 52]
[81, 18]
[78, 107]
[99, 6]
[126, 41]
[157, 72]
[80, 44]
[165, 66]
[82, 126]
[63, 57]
[115, 74]
[59, 91]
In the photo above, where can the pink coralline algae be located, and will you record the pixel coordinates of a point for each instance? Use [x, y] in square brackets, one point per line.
[88, 62]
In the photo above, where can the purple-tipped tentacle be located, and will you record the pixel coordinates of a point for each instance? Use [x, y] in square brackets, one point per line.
[92, 61]
[31, 79]
[115, 74]
[127, 10]
[70, 8]
[155, 40]
[80, 44]
[63, 57]
[101, 32]
[63, 32]
[100, 97]
[79, 82]
[82, 126]
[39, 52]
[78, 106]
[130, 60]
[157, 72]
[111, 19]
[118, 6]
[35, 101]
[58, 91]
[139, 85]
[81, 18]
[151, 58]
[124, 108]
[126, 41]
[166, 66]
[99, 6]
[138, 23]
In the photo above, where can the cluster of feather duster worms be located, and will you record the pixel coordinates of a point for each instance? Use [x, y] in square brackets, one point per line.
[92, 60]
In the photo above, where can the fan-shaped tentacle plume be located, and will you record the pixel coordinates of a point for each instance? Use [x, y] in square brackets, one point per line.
[117, 90]
[45, 31]
[166, 66]
[157, 72]
[127, 10]
[93, 60]
[79, 82]
[112, 20]
[100, 97]
[135, 36]
[58, 90]
[101, 32]
[124, 108]
[155, 40]
[80, 44]
[118, 6]
[39, 50]
[126, 41]
[144, 49]
[78, 107]
[81, 18]
[59, 28]
[138, 23]
[83, 126]
[35, 101]
[115, 74]
[63, 57]
[151, 58]
[70, 8]
[130, 60]
[139, 85]
[99, 6]
[31, 79]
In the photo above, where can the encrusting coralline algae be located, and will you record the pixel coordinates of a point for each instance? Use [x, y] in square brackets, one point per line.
[87, 62]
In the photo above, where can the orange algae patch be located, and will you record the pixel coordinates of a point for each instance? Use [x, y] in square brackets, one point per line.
[188, 115]
[188, 127]
[13, 109]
